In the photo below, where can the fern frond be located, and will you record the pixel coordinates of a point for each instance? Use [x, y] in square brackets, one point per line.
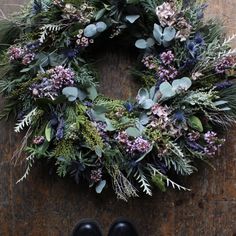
[26, 121]
[144, 184]
[46, 29]
[169, 182]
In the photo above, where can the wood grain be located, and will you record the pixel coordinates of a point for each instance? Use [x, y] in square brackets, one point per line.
[45, 205]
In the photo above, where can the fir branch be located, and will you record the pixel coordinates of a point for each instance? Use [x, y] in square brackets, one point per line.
[46, 29]
[26, 121]
[144, 184]
[169, 182]
[30, 162]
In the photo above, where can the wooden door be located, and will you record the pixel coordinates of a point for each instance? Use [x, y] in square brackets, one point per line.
[45, 205]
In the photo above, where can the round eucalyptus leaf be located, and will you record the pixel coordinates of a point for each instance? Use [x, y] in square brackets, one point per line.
[101, 26]
[90, 30]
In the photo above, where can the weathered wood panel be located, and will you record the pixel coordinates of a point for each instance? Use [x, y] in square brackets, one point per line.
[44, 205]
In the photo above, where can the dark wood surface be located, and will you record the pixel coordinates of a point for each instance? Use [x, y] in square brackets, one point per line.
[44, 205]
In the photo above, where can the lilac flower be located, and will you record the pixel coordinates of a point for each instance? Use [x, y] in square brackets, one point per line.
[160, 111]
[140, 145]
[224, 64]
[166, 14]
[15, 53]
[194, 136]
[149, 62]
[210, 137]
[38, 140]
[28, 58]
[168, 73]
[167, 57]
[52, 82]
[96, 175]
[61, 76]
[83, 41]
[101, 128]
[122, 137]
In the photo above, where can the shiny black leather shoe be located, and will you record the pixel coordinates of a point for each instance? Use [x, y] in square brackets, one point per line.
[87, 228]
[122, 228]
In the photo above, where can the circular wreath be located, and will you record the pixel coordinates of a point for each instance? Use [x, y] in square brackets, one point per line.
[185, 69]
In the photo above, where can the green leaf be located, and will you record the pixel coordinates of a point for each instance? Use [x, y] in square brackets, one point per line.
[48, 132]
[159, 182]
[98, 151]
[100, 14]
[133, 132]
[100, 186]
[195, 123]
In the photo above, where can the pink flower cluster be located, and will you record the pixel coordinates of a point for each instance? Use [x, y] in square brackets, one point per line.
[224, 64]
[132, 146]
[167, 57]
[20, 54]
[213, 143]
[61, 76]
[83, 41]
[52, 82]
[149, 62]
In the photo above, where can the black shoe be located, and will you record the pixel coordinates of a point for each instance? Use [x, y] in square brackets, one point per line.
[122, 228]
[87, 228]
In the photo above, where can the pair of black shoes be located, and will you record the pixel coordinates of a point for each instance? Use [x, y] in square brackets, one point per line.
[92, 228]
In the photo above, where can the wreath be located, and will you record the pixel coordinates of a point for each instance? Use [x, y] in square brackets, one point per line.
[185, 69]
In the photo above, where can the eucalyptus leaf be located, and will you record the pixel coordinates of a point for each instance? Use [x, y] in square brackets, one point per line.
[132, 18]
[141, 44]
[101, 26]
[100, 14]
[147, 104]
[133, 132]
[72, 93]
[100, 186]
[92, 93]
[143, 119]
[90, 30]
[166, 90]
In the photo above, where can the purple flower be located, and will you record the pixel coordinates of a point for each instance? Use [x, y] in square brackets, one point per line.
[194, 136]
[224, 64]
[15, 53]
[167, 57]
[223, 85]
[60, 129]
[38, 140]
[168, 73]
[210, 137]
[28, 58]
[96, 175]
[52, 82]
[140, 145]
